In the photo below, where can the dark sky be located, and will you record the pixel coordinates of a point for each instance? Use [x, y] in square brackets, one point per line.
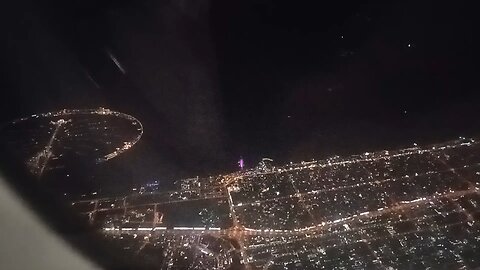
[215, 80]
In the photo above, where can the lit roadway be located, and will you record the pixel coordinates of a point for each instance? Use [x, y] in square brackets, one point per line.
[240, 230]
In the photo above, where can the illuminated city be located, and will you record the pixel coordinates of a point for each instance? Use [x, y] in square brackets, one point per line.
[239, 135]
[414, 208]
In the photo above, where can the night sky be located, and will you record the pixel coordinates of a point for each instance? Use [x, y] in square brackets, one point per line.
[216, 80]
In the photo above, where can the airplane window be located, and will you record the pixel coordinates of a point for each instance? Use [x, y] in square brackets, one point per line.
[239, 135]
